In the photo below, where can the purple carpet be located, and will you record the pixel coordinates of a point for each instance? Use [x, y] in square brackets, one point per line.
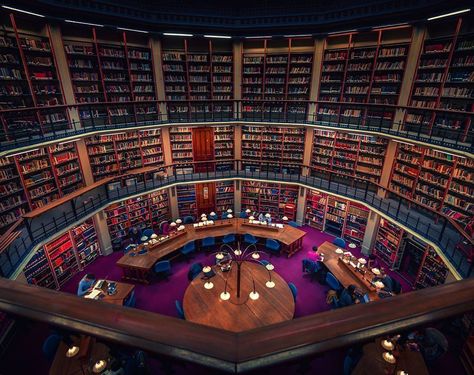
[160, 297]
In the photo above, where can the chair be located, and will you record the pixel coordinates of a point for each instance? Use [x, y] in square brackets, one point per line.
[213, 217]
[179, 309]
[194, 271]
[131, 301]
[250, 239]
[162, 268]
[228, 239]
[224, 215]
[50, 346]
[188, 220]
[148, 232]
[272, 246]
[333, 282]
[311, 267]
[208, 243]
[189, 248]
[339, 242]
[264, 262]
[243, 215]
[293, 224]
[294, 290]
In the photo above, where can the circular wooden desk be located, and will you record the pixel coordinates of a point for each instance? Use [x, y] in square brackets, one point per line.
[205, 306]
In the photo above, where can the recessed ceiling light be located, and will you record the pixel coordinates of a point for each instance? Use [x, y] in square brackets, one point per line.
[133, 30]
[218, 36]
[23, 11]
[84, 23]
[449, 14]
[177, 34]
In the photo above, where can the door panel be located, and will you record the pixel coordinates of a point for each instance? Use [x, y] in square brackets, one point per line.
[206, 198]
[203, 148]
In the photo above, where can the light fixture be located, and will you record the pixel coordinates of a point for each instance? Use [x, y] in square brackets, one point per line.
[285, 218]
[208, 285]
[297, 36]
[23, 11]
[449, 14]
[133, 30]
[342, 32]
[259, 37]
[229, 211]
[270, 267]
[401, 372]
[99, 366]
[229, 216]
[387, 345]
[270, 284]
[177, 34]
[238, 252]
[251, 218]
[173, 224]
[212, 213]
[202, 215]
[84, 23]
[390, 25]
[247, 211]
[218, 36]
[352, 245]
[389, 357]
[179, 221]
[219, 256]
[144, 238]
[268, 216]
[204, 218]
[379, 284]
[225, 296]
[255, 255]
[254, 294]
[72, 351]
[181, 227]
[154, 236]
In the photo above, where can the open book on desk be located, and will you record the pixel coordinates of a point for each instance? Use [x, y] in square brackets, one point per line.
[94, 294]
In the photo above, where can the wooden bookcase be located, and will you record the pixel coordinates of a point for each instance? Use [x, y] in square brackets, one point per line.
[387, 243]
[187, 200]
[274, 145]
[279, 72]
[365, 67]
[315, 208]
[57, 261]
[432, 272]
[224, 146]
[224, 196]
[182, 148]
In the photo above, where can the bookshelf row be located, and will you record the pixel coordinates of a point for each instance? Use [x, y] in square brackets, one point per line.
[59, 260]
[348, 154]
[336, 216]
[438, 180]
[35, 178]
[146, 211]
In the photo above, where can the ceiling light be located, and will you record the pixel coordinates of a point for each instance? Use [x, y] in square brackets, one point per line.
[22, 11]
[390, 25]
[343, 32]
[448, 14]
[135, 31]
[297, 36]
[218, 36]
[259, 37]
[84, 23]
[177, 34]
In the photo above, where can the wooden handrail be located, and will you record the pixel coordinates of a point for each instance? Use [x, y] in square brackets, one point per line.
[242, 351]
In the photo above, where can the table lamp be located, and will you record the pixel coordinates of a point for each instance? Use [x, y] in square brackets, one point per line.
[268, 216]
[173, 225]
[212, 215]
[379, 284]
[361, 262]
[238, 252]
[254, 294]
[202, 215]
[387, 344]
[181, 227]
[229, 211]
[207, 273]
[251, 218]
[247, 211]
[219, 256]
[154, 236]
[389, 357]
[352, 245]
[255, 255]
[270, 267]
[285, 219]
[72, 351]
[204, 218]
[229, 216]
[179, 221]
[225, 295]
[99, 366]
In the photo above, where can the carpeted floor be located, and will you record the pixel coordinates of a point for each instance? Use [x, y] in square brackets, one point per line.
[160, 297]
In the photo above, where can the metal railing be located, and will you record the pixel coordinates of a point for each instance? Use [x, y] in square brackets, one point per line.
[28, 127]
[428, 224]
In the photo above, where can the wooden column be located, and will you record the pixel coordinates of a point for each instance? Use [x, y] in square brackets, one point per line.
[166, 142]
[416, 46]
[237, 60]
[237, 196]
[316, 75]
[390, 156]
[103, 235]
[173, 196]
[370, 233]
[301, 205]
[308, 149]
[155, 46]
[238, 142]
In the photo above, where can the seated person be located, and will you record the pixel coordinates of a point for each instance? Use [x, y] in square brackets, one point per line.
[85, 285]
[135, 234]
[313, 254]
[347, 297]
[373, 262]
[387, 282]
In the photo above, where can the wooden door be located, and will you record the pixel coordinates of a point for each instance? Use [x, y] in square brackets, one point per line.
[203, 148]
[206, 198]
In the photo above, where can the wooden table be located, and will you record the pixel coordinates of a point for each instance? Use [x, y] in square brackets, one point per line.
[342, 271]
[123, 291]
[139, 267]
[90, 351]
[274, 305]
[372, 362]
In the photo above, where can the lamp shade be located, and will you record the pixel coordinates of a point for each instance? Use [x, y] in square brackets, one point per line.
[99, 366]
[251, 218]
[212, 213]
[144, 238]
[72, 351]
[154, 236]
[181, 227]
[179, 221]
[229, 211]
[219, 256]
[268, 215]
[229, 216]
[203, 215]
[203, 218]
[247, 211]
[362, 261]
[285, 218]
[173, 224]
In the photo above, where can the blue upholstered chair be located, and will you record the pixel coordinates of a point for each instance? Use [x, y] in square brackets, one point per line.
[311, 267]
[294, 290]
[224, 215]
[50, 346]
[162, 268]
[249, 239]
[243, 215]
[194, 271]
[272, 246]
[333, 282]
[208, 243]
[148, 232]
[188, 220]
[228, 239]
[179, 309]
[189, 248]
[293, 224]
[264, 262]
[339, 242]
[213, 217]
[131, 300]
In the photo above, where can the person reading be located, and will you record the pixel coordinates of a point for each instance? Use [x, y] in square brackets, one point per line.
[85, 285]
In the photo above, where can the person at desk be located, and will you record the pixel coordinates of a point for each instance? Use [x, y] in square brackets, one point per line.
[348, 297]
[373, 262]
[135, 234]
[313, 254]
[85, 285]
[388, 282]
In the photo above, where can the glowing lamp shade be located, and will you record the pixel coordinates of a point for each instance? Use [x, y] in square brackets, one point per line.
[352, 245]
[254, 295]
[270, 267]
[72, 351]
[225, 296]
[179, 221]
[270, 284]
[379, 284]
[251, 218]
[203, 218]
[212, 213]
[203, 215]
[229, 216]
[99, 366]
[229, 211]
[268, 215]
[154, 236]
[389, 357]
[173, 224]
[181, 227]
[238, 252]
[208, 285]
[388, 345]
[255, 255]
[206, 269]
[285, 218]
[219, 256]
[362, 261]
[247, 211]
[144, 238]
